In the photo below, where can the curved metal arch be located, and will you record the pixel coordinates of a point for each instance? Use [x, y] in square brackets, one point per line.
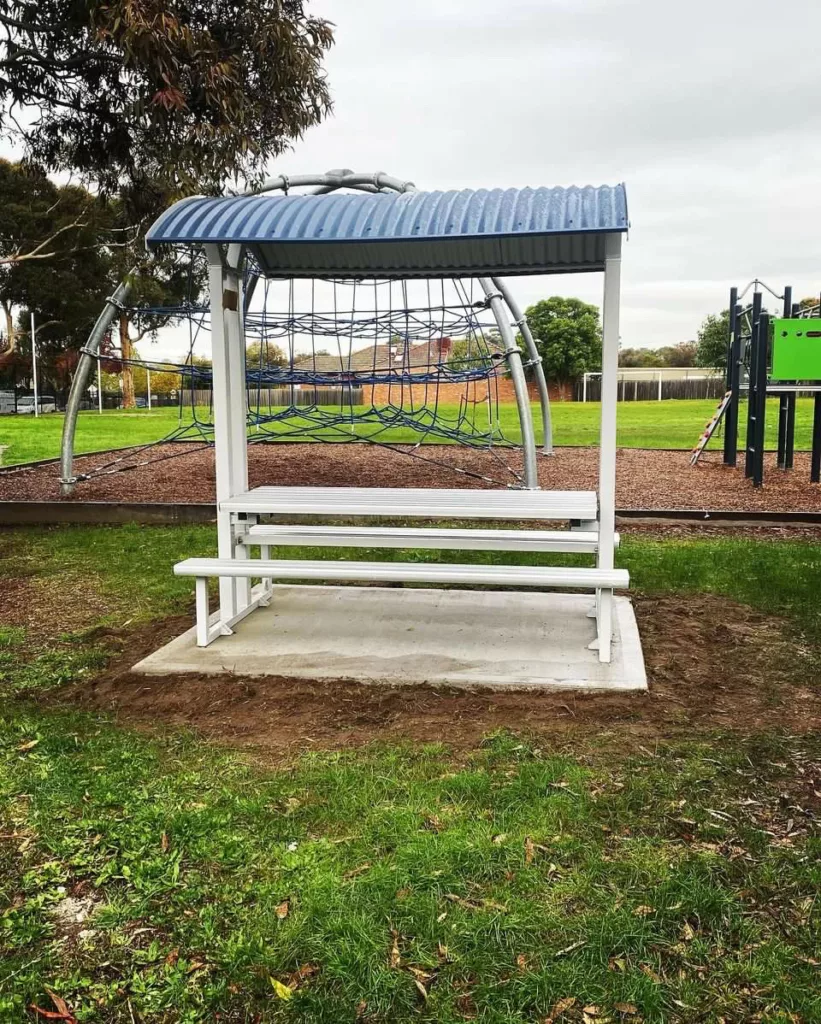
[497, 294]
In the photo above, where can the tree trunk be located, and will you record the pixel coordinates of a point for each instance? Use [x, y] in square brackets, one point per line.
[128, 375]
[11, 334]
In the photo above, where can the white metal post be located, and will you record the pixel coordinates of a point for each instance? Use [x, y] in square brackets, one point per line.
[584, 387]
[238, 406]
[34, 365]
[99, 386]
[607, 440]
[660, 378]
[224, 290]
[148, 386]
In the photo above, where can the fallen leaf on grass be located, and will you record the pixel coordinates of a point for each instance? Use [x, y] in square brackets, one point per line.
[282, 991]
[626, 1008]
[28, 746]
[559, 1008]
[284, 909]
[644, 911]
[396, 956]
[499, 839]
[521, 963]
[648, 970]
[475, 904]
[62, 1013]
[357, 871]
[433, 823]
[361, 1007]
[423, 992]
[303, 973]
[165, 842]
[529, 850]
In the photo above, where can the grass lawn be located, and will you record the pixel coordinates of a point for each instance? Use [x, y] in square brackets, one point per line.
[517, 882]
[668, 424]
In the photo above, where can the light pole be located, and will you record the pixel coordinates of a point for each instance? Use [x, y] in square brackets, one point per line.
[34, 364]
[34, 331]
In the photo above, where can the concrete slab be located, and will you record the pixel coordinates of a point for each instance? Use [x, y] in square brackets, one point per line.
[498, 639]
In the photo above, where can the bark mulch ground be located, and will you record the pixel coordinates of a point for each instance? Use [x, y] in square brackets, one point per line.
[713, 665]
[647, 479]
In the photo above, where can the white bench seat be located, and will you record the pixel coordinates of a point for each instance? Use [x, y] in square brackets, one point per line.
[570, 541]
[408, 502]
[383, 572]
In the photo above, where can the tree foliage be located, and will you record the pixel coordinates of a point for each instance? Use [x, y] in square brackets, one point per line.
[182, 92]
[682, 354]
[272, 355]
[713, 339]
[568, 336]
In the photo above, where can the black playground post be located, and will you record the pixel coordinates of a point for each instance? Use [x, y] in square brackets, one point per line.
[790, 311]
[815, 460]
[733, 380]
[761, 398]
[783, 429]
[752, 387]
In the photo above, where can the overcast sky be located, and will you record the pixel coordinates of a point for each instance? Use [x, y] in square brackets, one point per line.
[709, 110]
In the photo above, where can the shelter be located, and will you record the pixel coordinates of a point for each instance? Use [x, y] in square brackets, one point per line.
[385, 233]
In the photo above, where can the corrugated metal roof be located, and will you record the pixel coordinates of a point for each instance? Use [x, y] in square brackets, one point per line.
[411, 233]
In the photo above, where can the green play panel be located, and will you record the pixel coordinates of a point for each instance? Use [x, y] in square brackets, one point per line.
[796, 350]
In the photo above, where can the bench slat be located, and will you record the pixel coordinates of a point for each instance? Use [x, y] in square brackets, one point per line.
[406, 572]
[579, 541]
[451, 503]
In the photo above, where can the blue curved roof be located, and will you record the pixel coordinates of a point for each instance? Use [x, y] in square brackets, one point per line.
[486, 231]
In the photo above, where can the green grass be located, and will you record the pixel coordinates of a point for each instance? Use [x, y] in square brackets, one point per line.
[668, 424]
[401, 884]
[407, 884]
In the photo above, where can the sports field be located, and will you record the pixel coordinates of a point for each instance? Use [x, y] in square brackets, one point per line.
[668, 424]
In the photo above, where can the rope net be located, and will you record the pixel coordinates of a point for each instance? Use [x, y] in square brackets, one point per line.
[394, 363]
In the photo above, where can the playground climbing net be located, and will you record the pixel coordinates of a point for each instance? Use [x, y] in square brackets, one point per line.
[393, 363]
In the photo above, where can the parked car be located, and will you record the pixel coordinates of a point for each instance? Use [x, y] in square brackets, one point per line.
[141, 403]
[46, 403]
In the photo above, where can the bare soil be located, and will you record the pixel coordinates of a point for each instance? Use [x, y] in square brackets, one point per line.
[647, 479]
[713, 665]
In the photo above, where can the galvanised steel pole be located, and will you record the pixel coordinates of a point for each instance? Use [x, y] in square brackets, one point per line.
[535, 361]
[78, 386]
[513, 356]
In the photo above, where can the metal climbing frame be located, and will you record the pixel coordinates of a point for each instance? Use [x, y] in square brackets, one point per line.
[498, 296]
[749, 349]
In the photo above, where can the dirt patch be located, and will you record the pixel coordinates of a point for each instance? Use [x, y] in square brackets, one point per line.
[39, 604]
[713, 665]
[646, 479]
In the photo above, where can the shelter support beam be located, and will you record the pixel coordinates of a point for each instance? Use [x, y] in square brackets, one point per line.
[605, 558]
[231, 455]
